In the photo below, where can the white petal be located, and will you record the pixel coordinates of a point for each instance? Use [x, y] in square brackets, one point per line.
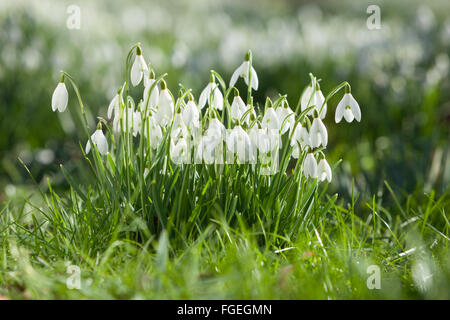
[204, 96]
[323, 132]
[348, 115]
[154, 95]
[102, 144]
[112, 105]
[218, 99]
[60, 97]
[255, 81]
[354, 106]
[315, 134]
[320, 100]
[236, 75]
[305, 98]
[340, 109]
[88, 147]
[136, 73]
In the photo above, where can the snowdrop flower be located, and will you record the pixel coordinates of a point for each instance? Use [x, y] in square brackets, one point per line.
[153, 132]
[265, 140]
[211, 94]
[137, 122]
[243, 71]
[60, 96]
[283, 113]
[238, 142]
[318, 133]
[299, 136]
[165, 108]
[179, 151]
[191, 114]
[179, 129]
[238, 108]
[139, 68]
[205, 150]
[216, 132]
[126, 119]
[99, 139]
[317, 100]
[114, 105]
[152, 101]
[270, 119]
[348, 108]
[310, 166]
[324, 170]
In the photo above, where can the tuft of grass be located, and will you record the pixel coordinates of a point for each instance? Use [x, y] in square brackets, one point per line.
[330, 260]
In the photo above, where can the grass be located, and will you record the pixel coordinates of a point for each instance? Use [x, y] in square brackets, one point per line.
[138, 225]
[408, 241]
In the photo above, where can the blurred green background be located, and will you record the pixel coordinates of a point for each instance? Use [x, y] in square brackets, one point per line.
[399, 75]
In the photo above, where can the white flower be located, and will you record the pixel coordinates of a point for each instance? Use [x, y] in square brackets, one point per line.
[191, 115]
[243, 71]
[60, 97]
[270, 119]
[138, 69]
[165, 108]
[113, 106]
[324, 170]
[216, 132]
[154, 131]
[137, 122]
[237, 108]
[153, 100]
[266, 140]
[179, 151]
[300, 136]
[211, 94]
[179, 129]
[238, 142]
[127, 119]
[310, 166]
[283, 113]
[318, 133]
[317, 100]
[348, 108]
[99, 139]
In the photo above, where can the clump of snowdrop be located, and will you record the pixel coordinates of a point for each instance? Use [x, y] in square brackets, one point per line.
[221, 128]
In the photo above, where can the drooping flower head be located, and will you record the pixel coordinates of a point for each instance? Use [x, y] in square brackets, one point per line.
[165, 108]
[286, 117]
[150, 98]
[310, 166]
[246, 71]
[348, 108]
[270, 119]
[324, 170]
[60, 96]
[139, 68]
[191, 114]
[314, 98]
[318, 133]
[211, 94]
[238, 142]
[99, 140]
